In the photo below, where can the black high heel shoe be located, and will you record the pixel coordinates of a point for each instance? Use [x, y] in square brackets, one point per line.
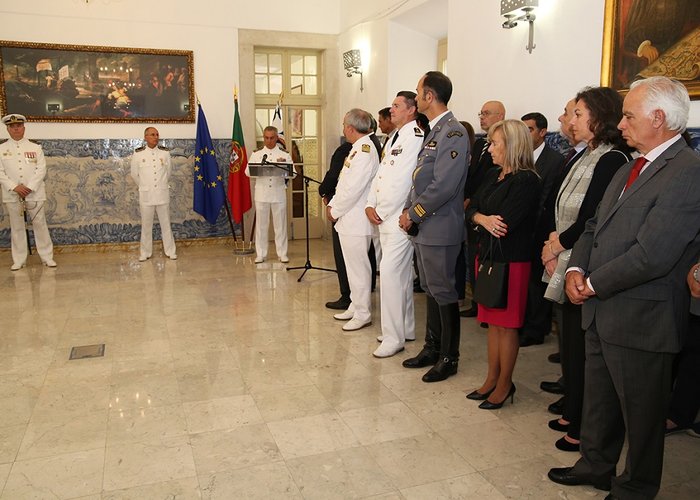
[477, 396]
[488, 405]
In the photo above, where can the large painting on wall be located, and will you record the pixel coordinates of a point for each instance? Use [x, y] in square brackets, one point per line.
[79, 83]
[644, 38]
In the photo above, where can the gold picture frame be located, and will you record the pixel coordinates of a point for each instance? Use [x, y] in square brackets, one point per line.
[96, 84]
[643, 38]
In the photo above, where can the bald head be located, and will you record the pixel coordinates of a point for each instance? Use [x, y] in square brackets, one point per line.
[491, 112]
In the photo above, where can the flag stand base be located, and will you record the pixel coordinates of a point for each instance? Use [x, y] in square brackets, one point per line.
[240, 249]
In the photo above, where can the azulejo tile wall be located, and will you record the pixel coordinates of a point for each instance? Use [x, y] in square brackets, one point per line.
[92, 198]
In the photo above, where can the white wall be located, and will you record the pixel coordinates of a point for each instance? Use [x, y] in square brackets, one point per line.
[486, 61]
[210, 32]
[411, 55]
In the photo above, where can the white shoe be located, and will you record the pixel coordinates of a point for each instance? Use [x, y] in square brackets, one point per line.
[143, 258]
[386, 351]
[380, 338]
[345, 315]
[259, 260]
[173, 257]
[284, 259]
[356, 324]
[17, 267]
[50, 263]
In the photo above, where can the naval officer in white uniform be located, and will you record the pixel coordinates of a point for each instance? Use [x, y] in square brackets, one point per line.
[347, 207]
[385, 203]
[270, 196]
[150, 169]
[22, 173]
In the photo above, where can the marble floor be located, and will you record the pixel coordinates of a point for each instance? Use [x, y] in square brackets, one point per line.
[223, 379]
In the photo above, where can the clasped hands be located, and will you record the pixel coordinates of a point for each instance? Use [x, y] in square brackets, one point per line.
[22, 190]
[577, 288]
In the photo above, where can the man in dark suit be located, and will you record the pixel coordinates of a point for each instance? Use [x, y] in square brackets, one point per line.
[435, 205]
[480, 163]
[548, 163]
[628, 269]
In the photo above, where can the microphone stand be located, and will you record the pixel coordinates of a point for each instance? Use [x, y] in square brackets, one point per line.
[287, 167]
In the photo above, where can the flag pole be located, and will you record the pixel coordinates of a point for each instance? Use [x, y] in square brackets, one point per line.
[242, 249]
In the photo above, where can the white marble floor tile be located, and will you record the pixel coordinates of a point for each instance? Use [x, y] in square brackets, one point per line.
[386, 422]
[304, 436]
[44, 438]
[356, 393]
[349, 473]
[234, 448]
[468, 487]
[10, 440]
[291, 403]
[146, 425]
[68, 475]
[419, 459]
[261, 482]
[221, 413]
[134, 464]
[178, 489]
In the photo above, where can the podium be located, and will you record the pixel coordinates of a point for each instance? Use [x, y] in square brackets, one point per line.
[267, 169]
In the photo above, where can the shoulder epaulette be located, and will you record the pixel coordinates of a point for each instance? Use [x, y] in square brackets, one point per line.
[138, 150]
[163, 148]
[418, 131]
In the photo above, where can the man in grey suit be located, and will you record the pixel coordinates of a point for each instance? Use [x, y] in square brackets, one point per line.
[628, 270]
[435, 209]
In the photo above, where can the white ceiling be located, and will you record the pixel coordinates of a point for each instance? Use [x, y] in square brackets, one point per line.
[429, 18]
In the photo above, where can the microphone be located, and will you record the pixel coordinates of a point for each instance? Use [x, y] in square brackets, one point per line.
[264, 159]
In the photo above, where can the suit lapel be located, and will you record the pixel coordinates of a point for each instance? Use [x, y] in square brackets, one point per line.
[645, 177]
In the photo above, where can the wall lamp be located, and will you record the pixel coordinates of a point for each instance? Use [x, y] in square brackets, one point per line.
[352, 62]
[520, 10]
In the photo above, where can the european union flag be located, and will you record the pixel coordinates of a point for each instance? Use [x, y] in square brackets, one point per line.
[209, 195]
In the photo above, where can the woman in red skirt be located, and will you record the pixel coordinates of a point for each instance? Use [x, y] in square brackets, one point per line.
[504, 211]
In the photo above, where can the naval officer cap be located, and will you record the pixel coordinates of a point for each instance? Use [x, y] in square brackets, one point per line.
[14, 118]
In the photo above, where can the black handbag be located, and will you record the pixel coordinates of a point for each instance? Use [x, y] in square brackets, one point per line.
[491, 288]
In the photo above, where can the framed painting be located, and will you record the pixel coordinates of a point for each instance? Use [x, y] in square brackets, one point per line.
[83, 83]
[643, 38]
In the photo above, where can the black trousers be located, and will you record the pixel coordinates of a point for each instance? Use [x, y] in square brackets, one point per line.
[538, 312]
[685, 401]
[573, 362]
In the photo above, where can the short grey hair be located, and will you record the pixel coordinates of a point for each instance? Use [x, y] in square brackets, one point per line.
[359, 119]
[668, 95]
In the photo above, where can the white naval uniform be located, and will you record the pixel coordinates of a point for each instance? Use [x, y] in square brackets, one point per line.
[23, 162]
[387, 196]
[354, 229]
[150, 169]
[270, 196]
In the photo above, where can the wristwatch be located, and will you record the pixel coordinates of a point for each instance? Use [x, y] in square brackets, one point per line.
[695, 274]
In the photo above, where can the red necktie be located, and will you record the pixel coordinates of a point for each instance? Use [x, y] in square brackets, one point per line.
[636, 169]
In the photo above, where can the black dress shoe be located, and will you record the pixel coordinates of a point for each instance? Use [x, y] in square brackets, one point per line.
[556, 426]
[527, 341]
[341, 304]
[423, 359]
[611, 497]
[444, 368]
[469, 313]
[556, 408]
[565, 476]
[564, 445]
[552, 387]
[483, 325]
[477, 396]
[554, 358]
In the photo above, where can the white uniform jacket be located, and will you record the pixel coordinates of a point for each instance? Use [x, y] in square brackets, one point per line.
[392, 183]
[270, 189]
[150, 169]
[348, 203]
[22, 162]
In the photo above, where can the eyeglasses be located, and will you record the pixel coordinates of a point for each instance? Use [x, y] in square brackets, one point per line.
[486, 113]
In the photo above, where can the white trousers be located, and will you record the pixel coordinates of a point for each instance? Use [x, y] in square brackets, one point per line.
[396, 289]
[262, 228]
[37, 214]
[147, 212]
[355, 250]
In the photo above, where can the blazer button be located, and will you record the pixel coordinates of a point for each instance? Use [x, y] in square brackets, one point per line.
[595, 244]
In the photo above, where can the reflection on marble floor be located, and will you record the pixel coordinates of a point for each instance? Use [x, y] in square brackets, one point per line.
[223, 379]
